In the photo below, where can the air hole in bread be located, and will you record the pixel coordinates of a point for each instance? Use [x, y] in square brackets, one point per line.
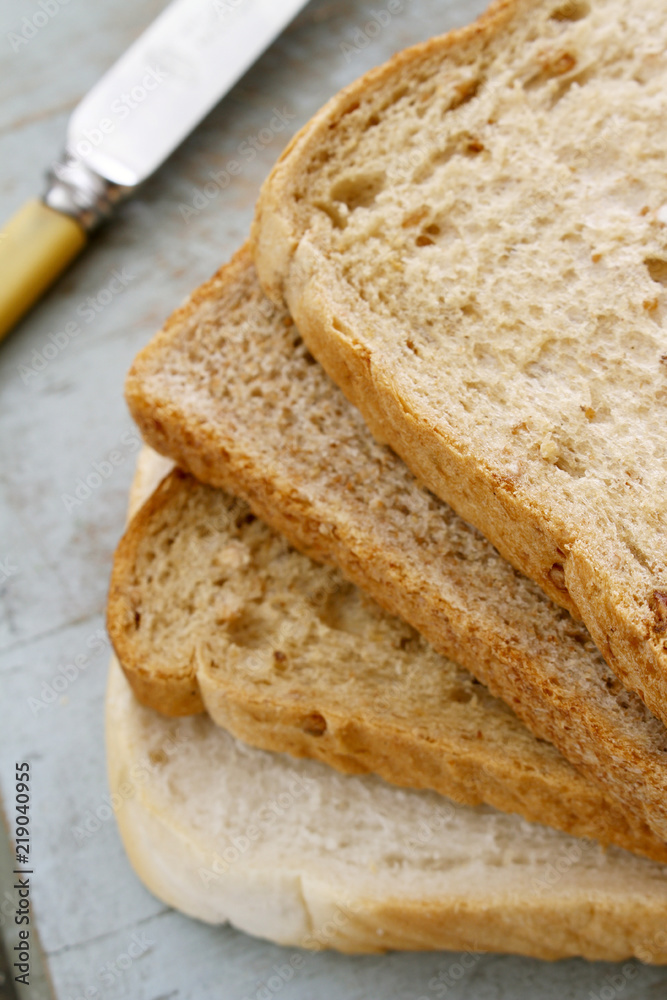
[348, 111]
[463, 144]
[340, 609]
[465, 93]
[558, 65]
[246, 629]
[570, 465]
[425, 170]
[395, 97]
[658, 605]
[468, 309]
[334, 213]
[358, 190]
[314, 724]
[571, 10]
[657, 269]
[557, 576]
[462, 695]
[279, 660]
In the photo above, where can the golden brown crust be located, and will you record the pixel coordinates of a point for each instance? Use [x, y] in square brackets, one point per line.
[516, 926]
[155, 684]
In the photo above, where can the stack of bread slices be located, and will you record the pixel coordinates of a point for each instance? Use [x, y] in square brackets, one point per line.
[391, 608]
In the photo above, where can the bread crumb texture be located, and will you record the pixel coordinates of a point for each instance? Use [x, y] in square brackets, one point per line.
[429, 873]
[527, 219]
[492, 215]
[230, 391]
[290, 656]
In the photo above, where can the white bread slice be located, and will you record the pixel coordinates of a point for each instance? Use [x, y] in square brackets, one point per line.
[211, 609]
[229, 391]
[294, 852]
[351, 863]
[472, 239]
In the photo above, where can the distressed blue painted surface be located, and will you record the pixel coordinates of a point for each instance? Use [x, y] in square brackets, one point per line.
[61, 418]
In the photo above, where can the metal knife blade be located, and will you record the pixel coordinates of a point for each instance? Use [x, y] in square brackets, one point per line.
[127, 126]
[168, 80]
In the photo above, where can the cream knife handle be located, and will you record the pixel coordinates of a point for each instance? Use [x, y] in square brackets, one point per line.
[36, 245]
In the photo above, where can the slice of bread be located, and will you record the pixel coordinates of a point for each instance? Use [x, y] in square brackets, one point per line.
[228, 390]
[294, 852]
[209, 608]
[297, 853]
[472, 239]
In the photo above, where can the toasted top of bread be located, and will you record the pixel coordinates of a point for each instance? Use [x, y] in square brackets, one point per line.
[472, 239]
[229, 391]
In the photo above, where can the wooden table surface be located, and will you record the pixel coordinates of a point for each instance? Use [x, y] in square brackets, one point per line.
[62, 413]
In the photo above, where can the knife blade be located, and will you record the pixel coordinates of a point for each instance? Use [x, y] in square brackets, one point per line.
[126, 126]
